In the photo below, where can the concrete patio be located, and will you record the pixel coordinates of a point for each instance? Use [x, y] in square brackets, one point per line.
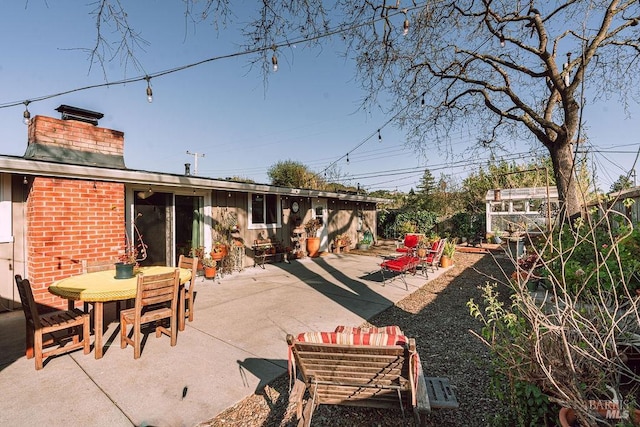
[235, 345]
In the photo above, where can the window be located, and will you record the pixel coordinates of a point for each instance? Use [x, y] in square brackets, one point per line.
[264, 211]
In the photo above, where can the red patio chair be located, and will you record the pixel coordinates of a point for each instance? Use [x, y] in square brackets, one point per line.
[410, 243]
[403, 264]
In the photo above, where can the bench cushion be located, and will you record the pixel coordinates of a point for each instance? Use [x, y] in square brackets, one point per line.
[391, 330]
[401, 264]
[375, 339]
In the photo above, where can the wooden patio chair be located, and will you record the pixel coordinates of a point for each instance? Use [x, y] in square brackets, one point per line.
[432, 259]
[67, 330]
[156, 300]
[187, 291]
[372, 367]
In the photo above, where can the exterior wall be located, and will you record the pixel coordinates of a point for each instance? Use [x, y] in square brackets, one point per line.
[69, 221]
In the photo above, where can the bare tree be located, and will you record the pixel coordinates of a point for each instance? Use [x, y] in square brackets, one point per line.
[508, 70]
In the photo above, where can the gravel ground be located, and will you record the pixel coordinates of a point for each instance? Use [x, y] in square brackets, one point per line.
[436, 315]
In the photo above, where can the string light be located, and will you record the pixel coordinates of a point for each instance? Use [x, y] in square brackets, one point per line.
[149, 90]
[379, 136]
[565, 68]
[405, 26]
[26, 116]
[274, 59]
[347, 157]
[502, 40]
[423, 102]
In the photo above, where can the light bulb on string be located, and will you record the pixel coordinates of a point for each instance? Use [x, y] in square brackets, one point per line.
[502, 40]
[274, 60]
[565, 68]
[423, 102]
[26, 116]
[347, 157]
[149, 90]
[405, 26]
[379, 136]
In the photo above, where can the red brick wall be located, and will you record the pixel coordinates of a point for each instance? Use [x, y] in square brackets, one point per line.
[69, 221]
[77, 135]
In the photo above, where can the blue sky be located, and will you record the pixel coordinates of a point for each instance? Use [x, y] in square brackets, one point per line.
[308, 112]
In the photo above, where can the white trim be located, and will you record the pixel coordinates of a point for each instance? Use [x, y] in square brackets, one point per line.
[6, 221]
[263, 226]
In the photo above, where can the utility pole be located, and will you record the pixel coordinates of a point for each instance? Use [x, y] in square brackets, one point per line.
[195, 161]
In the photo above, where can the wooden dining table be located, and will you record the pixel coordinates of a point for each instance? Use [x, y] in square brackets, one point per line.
[102, 286]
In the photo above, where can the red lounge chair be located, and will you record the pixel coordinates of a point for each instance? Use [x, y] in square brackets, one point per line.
[402, 265]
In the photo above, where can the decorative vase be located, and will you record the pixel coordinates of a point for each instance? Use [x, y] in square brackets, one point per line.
[124, 271]
[209, 272]
[217, 256]
[313, 246]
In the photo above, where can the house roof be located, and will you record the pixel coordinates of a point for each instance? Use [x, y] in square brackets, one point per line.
[22, 166]
[522, 193]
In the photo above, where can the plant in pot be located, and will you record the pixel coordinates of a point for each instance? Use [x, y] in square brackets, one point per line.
[313, 241]
[448, 253]
[218, 251]
[209, 266]
[424, 244]
[132, 255]
[366, 241]
[197, 252]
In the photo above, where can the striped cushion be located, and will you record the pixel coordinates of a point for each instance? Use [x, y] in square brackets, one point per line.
[391, 330]
[376, 339]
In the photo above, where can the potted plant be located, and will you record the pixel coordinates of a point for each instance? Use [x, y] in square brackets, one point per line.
[218, 251]
[131, 256]
[424, 244]
[313, 241]
[342, 242]
[448, 253]
[209, 266]
[197, 252]
[366, 241]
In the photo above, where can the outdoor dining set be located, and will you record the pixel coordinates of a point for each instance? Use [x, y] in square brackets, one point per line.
[160, 295]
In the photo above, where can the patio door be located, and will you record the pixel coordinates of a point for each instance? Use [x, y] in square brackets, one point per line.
[321, 213]
[189, 224]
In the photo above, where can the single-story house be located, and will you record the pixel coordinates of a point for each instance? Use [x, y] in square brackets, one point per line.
[71, 200]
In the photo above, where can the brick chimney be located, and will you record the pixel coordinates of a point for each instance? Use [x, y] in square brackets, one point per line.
[71, 222]
[75, 139]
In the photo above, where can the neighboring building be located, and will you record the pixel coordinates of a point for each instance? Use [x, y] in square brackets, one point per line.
[70, 200]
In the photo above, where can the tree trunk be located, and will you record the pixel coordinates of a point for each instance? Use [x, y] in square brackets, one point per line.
[566, 181]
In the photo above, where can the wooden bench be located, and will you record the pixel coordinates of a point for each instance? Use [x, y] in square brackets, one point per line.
[362, 369]
[263, 249]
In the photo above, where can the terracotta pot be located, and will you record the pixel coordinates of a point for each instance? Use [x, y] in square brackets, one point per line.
[567, 417]
[445, 261]
[217, 256]
[209, 272]
[313, 246]
[422, 252]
